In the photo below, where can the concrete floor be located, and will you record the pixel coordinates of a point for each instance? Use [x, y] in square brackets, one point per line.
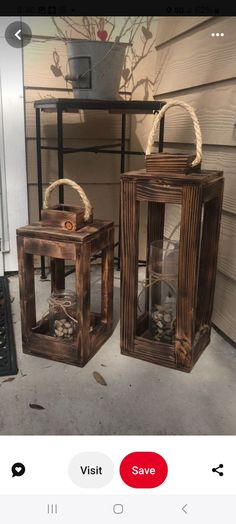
[140, 398]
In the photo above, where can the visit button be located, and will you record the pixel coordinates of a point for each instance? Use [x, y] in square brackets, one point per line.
[143, 469]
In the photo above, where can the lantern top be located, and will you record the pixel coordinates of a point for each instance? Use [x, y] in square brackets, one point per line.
[203, 178]
[84, 234]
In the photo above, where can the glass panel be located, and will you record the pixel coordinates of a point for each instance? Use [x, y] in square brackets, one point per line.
[172, 221]
[56, 311]
[42, 292]
[142, 255]
[158, 277]
[163, 282]
[62, 314]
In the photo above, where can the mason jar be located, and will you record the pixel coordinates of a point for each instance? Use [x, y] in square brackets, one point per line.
[62, 314]
[163, 283]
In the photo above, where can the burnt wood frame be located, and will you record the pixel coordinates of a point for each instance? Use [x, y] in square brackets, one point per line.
[80, 246]
[197, 261]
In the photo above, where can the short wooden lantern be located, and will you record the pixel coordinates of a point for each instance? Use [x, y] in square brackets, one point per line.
[74, 333]
[174, 324]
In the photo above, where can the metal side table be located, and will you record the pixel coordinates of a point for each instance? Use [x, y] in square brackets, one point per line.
[69, 105]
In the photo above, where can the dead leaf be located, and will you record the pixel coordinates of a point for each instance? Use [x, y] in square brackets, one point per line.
[8, 379]
[125, 73]
[56, 70]
[99, 378]
[36, 406]
[146, 33]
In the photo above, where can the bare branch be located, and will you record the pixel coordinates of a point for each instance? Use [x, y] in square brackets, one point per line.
[59, 30]
[72, 26]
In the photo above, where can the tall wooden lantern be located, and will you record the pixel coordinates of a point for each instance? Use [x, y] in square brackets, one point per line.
[69, 331]
[174, 325]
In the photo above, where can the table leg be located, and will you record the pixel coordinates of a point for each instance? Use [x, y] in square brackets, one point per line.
[60, 151]
[122, 170]
[40, 180]
[57, 274]
[161, 135]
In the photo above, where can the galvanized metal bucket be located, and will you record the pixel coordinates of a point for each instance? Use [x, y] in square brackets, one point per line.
[95, 68]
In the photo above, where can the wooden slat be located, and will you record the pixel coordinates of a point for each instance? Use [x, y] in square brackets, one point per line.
[88, 233]
[174, 179]
[129, 265]
[164, 355]
[27, 289]
[82, 276]
[210, 191]
[173, 26]
[107, 281]
[97, 337]
[147, 350]
[49, 248]
[156, 216]
[215, 107]
[197, 58]
[45, 346]
[225, 305]
[142, 251]
[149, 191]
[100, 242]
[188, 271]
[164, 162]
[208, 258]
[65, 217]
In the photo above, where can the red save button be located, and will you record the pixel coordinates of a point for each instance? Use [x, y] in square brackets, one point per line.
[143, 469]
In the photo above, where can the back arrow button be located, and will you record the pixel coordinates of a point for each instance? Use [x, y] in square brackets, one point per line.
[17, 34]
[184, 509]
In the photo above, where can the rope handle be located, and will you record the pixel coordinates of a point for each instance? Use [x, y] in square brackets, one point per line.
[76, 187]
[197, 130]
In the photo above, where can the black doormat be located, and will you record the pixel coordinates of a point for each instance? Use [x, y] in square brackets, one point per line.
[8, 365]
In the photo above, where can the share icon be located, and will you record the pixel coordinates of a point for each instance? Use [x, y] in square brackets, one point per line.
[215, 470]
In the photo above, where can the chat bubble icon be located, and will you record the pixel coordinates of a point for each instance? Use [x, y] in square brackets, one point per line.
[18, 469]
